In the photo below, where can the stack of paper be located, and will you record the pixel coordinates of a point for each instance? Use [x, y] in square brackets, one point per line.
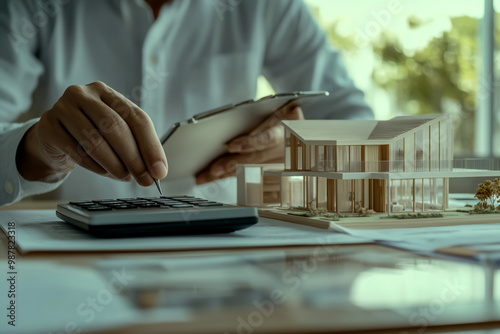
[428, 240]
[41, 230]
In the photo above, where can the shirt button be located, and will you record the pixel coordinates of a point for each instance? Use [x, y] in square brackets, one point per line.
[9, 187]
[153, 59]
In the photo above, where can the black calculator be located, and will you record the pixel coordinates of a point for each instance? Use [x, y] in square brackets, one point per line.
[154, 216]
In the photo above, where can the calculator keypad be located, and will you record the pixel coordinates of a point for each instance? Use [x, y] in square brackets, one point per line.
[163, 202]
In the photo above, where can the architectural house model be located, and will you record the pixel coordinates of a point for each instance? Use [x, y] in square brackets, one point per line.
[399, 165]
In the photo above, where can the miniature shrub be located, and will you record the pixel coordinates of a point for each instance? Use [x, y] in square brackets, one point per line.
[301, 208]
[324, 216]
[310, 210]
[484, 211]
[416, 215]
[330, 216]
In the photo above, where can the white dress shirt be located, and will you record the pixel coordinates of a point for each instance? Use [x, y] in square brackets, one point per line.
[195, 56]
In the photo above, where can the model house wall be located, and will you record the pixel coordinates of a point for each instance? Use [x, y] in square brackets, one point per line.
[399, 165]
[403, 144]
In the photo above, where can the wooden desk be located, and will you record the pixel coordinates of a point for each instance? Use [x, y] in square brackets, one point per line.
[358, 289]
[31, 205]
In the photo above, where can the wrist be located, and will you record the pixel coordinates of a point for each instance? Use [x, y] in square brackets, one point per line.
[32, 165]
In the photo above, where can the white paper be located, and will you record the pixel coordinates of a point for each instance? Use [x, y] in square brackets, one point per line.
[431, 238]
[41, 230]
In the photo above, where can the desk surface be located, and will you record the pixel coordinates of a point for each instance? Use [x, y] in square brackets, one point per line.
[281, 290]
[31, 205]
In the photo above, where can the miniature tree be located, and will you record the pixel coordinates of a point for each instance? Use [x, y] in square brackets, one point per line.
[483, 193]
[488, 194]
[496, 188]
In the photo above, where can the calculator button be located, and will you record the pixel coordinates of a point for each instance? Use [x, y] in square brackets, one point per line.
[82, 203]
[136, 202]
[122, 207]
[168, 203]
[126, 199]
[148, 205]
[178, 206]
[210, 204]
[108, 202]
[97, 208]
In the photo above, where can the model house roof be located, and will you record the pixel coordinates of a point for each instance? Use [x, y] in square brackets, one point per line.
[357, 132]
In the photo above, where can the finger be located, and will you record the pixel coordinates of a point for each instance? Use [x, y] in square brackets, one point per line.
[64, 148]
[226, 165]
[89, 138]
[77, 154]
[120, 138]
[221, 167]
[269, 133]
[263, 140]
[288, 112]
[142, 129]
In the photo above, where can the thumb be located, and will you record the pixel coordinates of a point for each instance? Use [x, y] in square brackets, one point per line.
[268, 134]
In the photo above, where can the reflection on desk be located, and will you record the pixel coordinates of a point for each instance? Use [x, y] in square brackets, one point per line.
[313, 289]
[347, 288]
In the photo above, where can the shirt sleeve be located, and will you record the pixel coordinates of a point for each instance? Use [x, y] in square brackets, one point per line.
[300, 58]
[20, 70]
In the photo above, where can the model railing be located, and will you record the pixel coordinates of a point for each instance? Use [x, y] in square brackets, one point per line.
[402, 166]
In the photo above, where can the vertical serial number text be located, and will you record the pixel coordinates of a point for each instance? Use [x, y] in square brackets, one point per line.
[11, 273]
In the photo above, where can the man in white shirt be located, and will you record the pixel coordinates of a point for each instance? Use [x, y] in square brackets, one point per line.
[101, 73]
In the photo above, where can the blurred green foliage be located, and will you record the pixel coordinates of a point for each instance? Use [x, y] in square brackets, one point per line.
[440, 78]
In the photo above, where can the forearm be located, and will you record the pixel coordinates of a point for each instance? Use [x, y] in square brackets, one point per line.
[13, 186]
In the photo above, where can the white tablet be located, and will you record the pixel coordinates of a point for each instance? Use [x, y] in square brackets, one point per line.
[192, 144]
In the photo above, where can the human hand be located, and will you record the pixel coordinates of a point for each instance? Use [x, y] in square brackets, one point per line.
[265, 144]
[97, 128]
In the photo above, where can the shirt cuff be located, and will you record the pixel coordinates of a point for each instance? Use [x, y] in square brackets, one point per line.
[13, 187]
